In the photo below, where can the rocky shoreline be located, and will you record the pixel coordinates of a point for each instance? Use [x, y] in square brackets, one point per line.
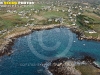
[65, 66]
[81, 35]
[8, 40]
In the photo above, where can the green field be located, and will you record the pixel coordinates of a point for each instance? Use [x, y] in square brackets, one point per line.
[50, 14]
[94, 23]
[9, 20]
[88, 70]
[42, 12]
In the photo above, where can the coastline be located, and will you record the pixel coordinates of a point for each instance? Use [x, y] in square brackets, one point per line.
[81, 35]
[64, 66]
[8, 40]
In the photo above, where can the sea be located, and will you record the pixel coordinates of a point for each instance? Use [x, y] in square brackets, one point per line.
[33, 53]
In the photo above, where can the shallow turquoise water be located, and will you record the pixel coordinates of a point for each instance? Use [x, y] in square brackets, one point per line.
[30, 50]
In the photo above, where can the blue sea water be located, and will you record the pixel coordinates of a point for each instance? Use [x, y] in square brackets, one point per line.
[32, 51]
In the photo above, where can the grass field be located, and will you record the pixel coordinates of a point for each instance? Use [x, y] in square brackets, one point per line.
[94, 24]
[88, 70]
[10, 20]
[96, 19]
[50, 14]
[35, 6]
[92, 15]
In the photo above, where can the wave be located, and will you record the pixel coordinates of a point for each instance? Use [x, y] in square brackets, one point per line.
[96, 64]
[46, 65]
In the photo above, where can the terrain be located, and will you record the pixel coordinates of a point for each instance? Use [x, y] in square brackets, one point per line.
[83, 16]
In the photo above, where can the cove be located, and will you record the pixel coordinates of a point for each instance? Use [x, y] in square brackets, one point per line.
[54, 43]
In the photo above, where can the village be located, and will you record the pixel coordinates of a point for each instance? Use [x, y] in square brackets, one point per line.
[46, 13]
